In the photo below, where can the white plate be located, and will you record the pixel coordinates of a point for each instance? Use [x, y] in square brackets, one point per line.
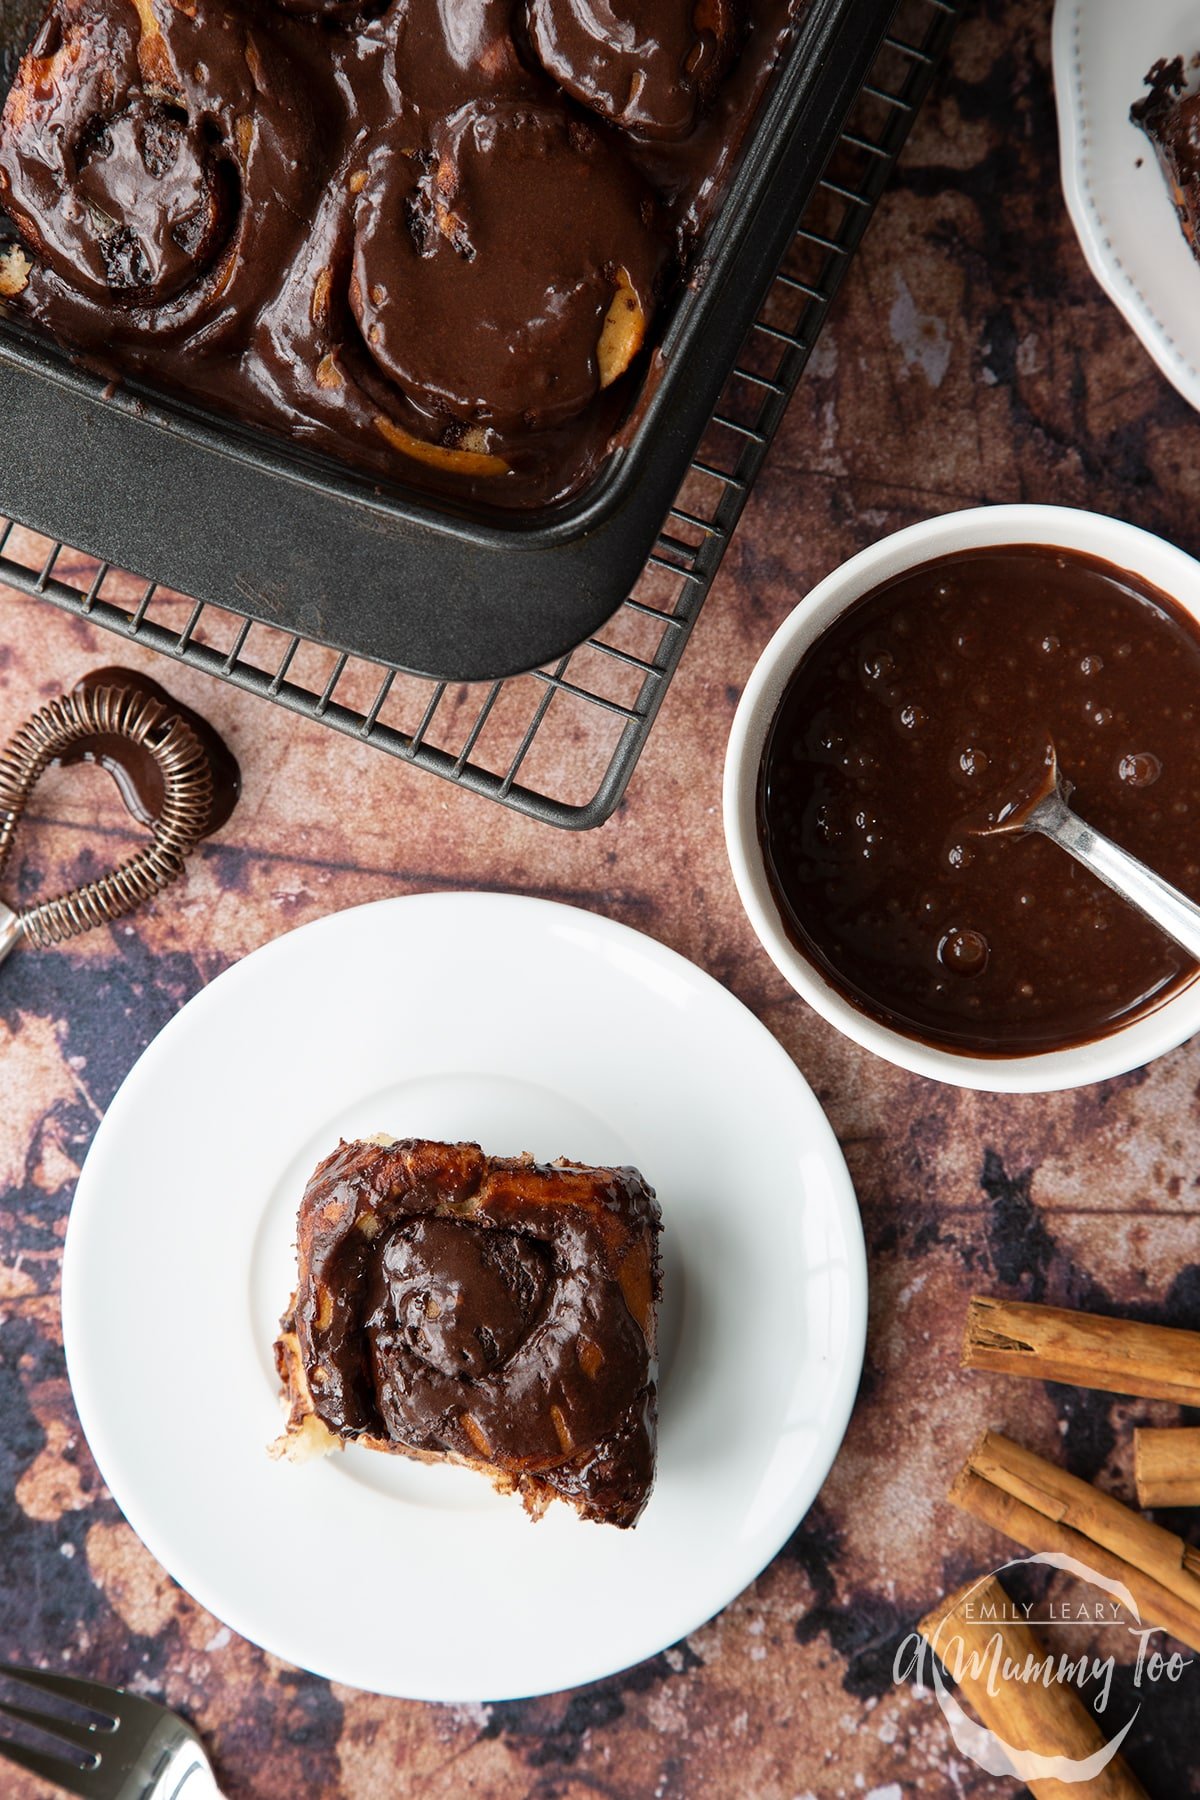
[1122, 212]
[526, 1026]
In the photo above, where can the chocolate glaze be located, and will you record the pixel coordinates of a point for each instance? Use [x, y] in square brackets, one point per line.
[249, 202]
[497, 1310]
[921, 717]
[130, 161]
[649, 69]
[538, 295]
[137, 775]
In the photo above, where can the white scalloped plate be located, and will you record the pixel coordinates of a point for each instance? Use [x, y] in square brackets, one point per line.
[527, 1026]
[1114, 188]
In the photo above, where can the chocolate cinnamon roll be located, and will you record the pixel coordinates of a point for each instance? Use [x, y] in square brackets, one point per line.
[387, 230]
[315, 370]
[465, 293]
[512, 276]
[649, 66]
[132, 144]
[494, 1312]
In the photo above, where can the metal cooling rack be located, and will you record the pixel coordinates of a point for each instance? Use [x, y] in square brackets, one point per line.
[562, 742]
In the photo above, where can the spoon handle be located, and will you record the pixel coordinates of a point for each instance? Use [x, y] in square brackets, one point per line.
[1170, 910]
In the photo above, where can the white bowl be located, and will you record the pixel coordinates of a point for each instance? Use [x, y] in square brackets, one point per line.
[1149, 557]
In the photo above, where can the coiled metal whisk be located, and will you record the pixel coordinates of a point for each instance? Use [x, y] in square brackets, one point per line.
[187, 799]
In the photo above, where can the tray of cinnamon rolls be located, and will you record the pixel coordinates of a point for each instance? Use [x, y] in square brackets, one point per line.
[395, 322]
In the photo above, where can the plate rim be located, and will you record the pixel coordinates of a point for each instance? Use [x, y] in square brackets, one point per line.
[1083, 207]
[643, 1640]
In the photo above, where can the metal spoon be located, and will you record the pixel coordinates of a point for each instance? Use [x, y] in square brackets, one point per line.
[1045, 809]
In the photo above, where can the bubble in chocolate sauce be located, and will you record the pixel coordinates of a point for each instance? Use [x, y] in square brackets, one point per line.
[1139, 769]
[828, 826]
[878, 668]
[963, 952]
[973, 761]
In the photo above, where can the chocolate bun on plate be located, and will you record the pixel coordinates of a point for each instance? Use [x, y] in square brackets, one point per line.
[489, 1311]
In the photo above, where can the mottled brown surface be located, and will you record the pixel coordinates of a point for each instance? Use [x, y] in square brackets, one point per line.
[971, 358]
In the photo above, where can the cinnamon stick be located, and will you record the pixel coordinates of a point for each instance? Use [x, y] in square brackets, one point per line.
[1120, 1356]
[1166, 1466]
[1044, 1508]
[974, 1633]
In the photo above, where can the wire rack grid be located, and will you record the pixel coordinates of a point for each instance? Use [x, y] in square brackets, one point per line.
[561, 742]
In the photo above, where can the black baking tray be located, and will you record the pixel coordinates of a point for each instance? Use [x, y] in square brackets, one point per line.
[248, 522]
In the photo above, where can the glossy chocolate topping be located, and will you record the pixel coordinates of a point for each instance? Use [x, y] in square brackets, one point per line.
[648, 69]
[922, 717]
[382, 230]
[137, 775]
[132, 145]
[451, 1300]
[513, 235]
[496, 1310]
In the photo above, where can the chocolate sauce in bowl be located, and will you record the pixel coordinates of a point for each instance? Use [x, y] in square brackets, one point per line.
[919, 713]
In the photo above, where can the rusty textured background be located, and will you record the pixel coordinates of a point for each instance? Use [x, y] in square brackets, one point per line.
[970, 358]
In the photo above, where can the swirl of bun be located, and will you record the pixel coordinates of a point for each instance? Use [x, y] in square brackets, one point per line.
[463, 292]
[512, 276]
[649, 66]
[315, 371]
[130, 139]
[495, 1312]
